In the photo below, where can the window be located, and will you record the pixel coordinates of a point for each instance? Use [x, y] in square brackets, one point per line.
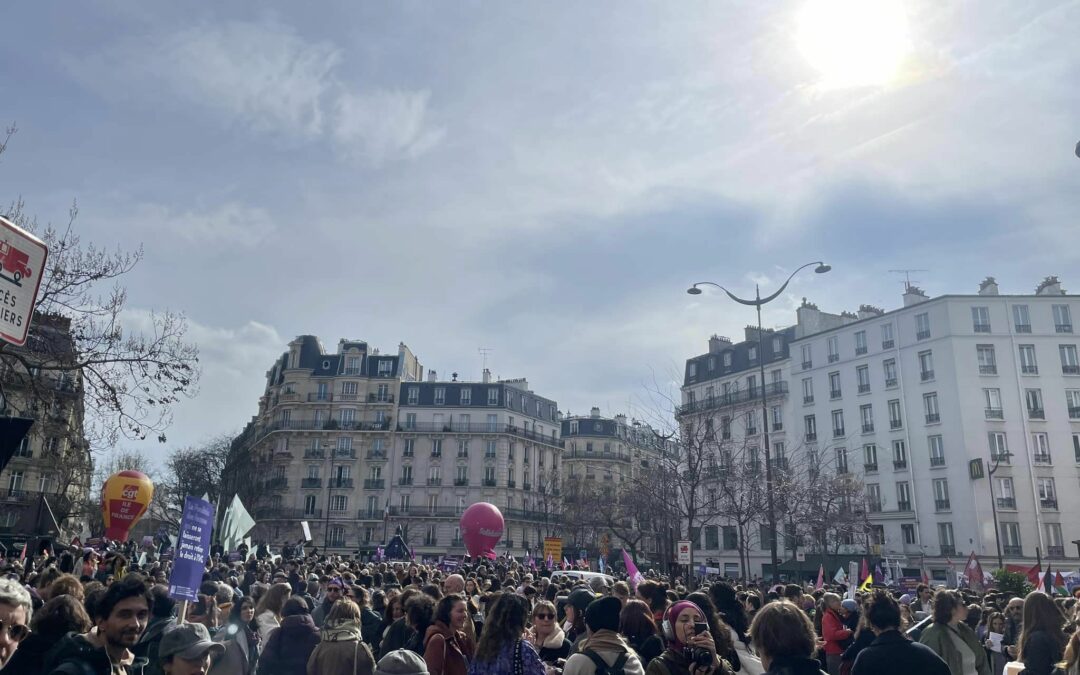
[873, 497]
[313, 471]
[941, 494]
[339, 502]
[1028, 364]
[808, 390]
[903, 496]
[980, 319]
[1069, 363]
[1047, 493]
[337, 536]
[751, 386]
[937, 450]
[413, 395]
[999, 447]
[887, 341]
[493, 422]
[930, 405]
[751, 353]
[1034, 402]
[870, 457]
[352, 365]
[386, 367]
[493, 396]
[1076, 448]
[922, 326]
[866, 416]
[1010, 539]
[862, 374]
[309, 505]
[751, 422]
[712, 538]
[838, 423]
[404, 502]
[777, 418]
[834, 385]
[727, 359]
[810, 428]
[907, 530]
[462, 477]
[348, 416]
[945, 539]
[725, 428]
[465, 396]
[1040, 444]
[440, 395]
[24, 448]
[406, 474]
[895, 420]
[1021, 320]
[833, 345]
[992, 400]
[1062, 319]
[900, 454]
[434, 475]
[926, 365]
[889, 366]
[807, 357]
[1006, 498]
[489, 450]
[987, 359]
[691, 369]
[860, 342]
[1072, 402]
[765, 537]
[731, 538]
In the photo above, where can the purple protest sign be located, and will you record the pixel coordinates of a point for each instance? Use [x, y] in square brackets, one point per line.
[192, 549]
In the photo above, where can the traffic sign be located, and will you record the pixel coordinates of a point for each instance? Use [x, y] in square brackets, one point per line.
[682, 552]
[22, 262]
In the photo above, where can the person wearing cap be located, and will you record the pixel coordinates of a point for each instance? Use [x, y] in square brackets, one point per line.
[603, 648]
[401, 662]
[576, 604]
[188, 650]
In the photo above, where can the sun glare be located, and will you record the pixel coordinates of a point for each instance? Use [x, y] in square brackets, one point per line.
[854, 42]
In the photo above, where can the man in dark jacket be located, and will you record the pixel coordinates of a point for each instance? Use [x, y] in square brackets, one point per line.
[891, 651]
[369, 619]
[161, 619]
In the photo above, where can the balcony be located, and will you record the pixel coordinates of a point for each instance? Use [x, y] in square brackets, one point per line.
[376, 454]
[807, 400]
[405, 480]
[807, 365]
[899, 464]
[436, 453]
[1041, 458]
[489, 455]
[369, 514]
[1055, 552]
[772, 390]
[1036, 414]
[873, 507]
[922, 335]
[994, 413]
[982, 328]
[1023, 328]
[348, 397]
[374, 483]
[948, 549]
[868, 428]
[864, 389]
[1029, 370]
[988, 370]
[434, 481]
[937, 461]
[1006, 503]
[1074, 412]
[777, 426]
[835, 394]
[509, 543]
[926, 375]
[461, 482]
[431, 541]
[1049, 503]
[344, 453]
[833, 358]
[859, 351]
[933, 418]
[838, 432]
[463, 454]
[903, 506]
[279, 483]
[941, 505]
[337, 543]
[870, 468]
[1011, 549]
[457, 543]
[340, 483]
[896, 424]
[596, 454]
[320, 397]
[751, 431]
[1070, 370]
[511, 483]
[314, 453]
[311, 482]
[380, 398]
[488, 482]
[810, 436]
[1063, 327]
[1000, 457]
[526, 486]
[890, 382]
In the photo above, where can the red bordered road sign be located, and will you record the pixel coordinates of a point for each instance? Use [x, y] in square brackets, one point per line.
[22, 261]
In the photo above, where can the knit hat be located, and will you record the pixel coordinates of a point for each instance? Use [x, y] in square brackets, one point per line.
[603, 614]
[850, 605]
[906, 599]
[580, 598]
[401, 662]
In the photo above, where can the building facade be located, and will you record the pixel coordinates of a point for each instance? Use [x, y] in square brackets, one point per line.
[922, 402]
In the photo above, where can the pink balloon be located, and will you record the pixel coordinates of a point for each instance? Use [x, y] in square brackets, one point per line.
[482, 527]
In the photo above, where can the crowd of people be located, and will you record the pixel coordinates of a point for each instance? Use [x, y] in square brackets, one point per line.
[89, 615]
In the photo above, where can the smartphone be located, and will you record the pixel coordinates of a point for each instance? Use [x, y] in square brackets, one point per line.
[700, 627]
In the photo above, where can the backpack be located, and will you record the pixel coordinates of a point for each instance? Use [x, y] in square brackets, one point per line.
[602, 668]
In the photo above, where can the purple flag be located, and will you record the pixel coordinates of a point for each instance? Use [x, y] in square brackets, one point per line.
[632, 573]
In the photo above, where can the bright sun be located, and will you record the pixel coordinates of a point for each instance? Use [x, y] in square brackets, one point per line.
[854, 42]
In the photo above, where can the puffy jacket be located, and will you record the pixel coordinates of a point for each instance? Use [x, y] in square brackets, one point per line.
[289, 647]
[341, 651]
[75, 655]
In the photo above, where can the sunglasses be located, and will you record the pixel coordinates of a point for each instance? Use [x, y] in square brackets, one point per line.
[544, 615]
[16, 631]
[333, 589]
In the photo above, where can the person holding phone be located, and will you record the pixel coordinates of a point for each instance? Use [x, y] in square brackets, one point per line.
[690, 649]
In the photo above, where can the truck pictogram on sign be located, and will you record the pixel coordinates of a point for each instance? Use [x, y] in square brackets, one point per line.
[14, 263]
[22, 265]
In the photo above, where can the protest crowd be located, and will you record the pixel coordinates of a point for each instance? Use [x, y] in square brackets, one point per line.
[302, 613]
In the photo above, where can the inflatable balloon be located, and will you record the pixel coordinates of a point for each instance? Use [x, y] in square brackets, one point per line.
[482, 527]
[125, 497]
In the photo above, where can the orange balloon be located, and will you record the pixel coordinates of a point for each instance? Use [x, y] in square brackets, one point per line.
[125, 496]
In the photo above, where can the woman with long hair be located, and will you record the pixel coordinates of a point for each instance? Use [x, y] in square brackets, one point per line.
[341, 647]
[206, 610]
[952, 639]
[501, 650]
[546, 635]
[1042, 640]
[242, 642]
[995, 623]
[1071, 664]
[654, 593]
[268, 611]
[419, 614]
[721, 634]
[447, 648]
[636, 625]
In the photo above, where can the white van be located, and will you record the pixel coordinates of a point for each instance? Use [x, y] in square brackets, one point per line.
[587, 577]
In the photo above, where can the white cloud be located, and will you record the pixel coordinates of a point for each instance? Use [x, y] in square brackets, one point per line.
[384, 124]
[232, 223]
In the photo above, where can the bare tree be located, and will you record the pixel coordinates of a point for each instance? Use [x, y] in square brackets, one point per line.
[193, 471]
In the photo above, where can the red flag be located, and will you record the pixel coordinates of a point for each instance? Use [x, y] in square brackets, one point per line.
[25, 549]
[925, 578]
[1034, 575]
[820, 577]
[974, 573]
[864, 571]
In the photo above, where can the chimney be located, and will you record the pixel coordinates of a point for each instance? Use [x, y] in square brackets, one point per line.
[913, 295]
[752, 334]
[432, 376]
[869, 311]
[1049, 286]
[718, 343]
[486, 378]
[621, 420]
[988, 286]
[595, 412]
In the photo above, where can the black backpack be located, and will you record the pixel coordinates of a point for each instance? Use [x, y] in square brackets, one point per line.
[602, 668]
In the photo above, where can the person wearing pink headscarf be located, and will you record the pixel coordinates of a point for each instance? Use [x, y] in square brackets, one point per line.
[687, 651]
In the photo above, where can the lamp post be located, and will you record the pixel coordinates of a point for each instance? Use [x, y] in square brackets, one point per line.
[757, 302]
[993, 502]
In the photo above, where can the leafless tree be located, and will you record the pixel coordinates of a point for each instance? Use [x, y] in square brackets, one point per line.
[194, 471]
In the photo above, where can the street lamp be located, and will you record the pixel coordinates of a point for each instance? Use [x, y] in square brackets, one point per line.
[998, 459]
[757, 302]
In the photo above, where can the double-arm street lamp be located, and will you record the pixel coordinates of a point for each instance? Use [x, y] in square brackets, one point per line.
[757, 302]
[990, 471]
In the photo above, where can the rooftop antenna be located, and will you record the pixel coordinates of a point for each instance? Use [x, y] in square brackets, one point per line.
[484, 352]
[907, 277]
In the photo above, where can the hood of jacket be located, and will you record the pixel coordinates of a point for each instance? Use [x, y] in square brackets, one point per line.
[344, 631]
[156, 629]
[75, 647]
[298, 625]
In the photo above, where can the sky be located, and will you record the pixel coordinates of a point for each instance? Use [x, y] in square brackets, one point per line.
[538, 179]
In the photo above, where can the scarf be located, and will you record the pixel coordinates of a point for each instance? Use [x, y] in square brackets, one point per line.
[343, 631]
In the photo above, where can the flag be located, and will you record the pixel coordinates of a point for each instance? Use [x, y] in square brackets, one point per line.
[632, 573]
[379, 553]
[925, 578]
[820, 577]
[1059, 584]
[867, 583]
[1034, 575]
[886, 576]
[974, 573]
[412, 554]
[601, 563]
[864, 571]
[1047, 582]
[550, 562]
[235, 524]
[565, 563]
[841, 576]
[25, 549]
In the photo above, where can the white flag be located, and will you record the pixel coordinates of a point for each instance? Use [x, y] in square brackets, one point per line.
[235, 525]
